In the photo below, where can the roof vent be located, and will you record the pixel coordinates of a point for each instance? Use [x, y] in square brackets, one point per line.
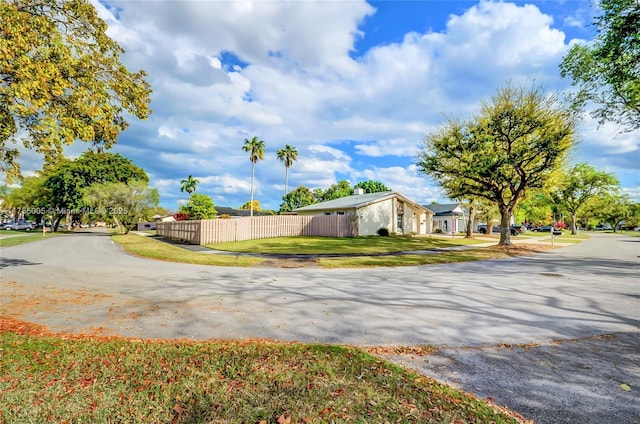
[358, 191]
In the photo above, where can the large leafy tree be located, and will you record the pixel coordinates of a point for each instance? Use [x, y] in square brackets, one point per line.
[189, 184]
[199, 206]
[287, 155]
[340, 189]
[61, 80]
[125, 204]
[580, 183]
[516, 141]
[371, 186]
[607, 71]
[32, 198]
[613, 208]
[67, 179]
[255, 147]
[297, 198]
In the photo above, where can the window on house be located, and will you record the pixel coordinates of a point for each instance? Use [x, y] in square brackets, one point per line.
[340, 213]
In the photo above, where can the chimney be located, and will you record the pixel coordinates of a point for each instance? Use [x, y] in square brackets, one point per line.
[358, 191]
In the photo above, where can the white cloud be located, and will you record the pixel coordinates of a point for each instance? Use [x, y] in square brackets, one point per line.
[285, 71]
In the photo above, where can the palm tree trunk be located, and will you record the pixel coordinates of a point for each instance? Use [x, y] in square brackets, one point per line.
[286, 180]
[253, 170]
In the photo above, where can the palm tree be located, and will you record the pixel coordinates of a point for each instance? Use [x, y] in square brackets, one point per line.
[189, 184]
[287, 155]
[255, 148]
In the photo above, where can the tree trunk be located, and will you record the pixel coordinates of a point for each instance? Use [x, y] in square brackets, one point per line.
[573, 223]
[286, 180]
[253, 170]
[505, 226]
[470, 219]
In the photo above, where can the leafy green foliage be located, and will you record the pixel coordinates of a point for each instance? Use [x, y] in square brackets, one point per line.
[613, 209]
[513, 144]
[189, 184]
[371, 186]
[287, 155]
[248, 205]
[199, 206]
[61, 80]
[297, 198]
[69, 178]
[606, 72]
[122, 203]
[336, 191]
[580, 183]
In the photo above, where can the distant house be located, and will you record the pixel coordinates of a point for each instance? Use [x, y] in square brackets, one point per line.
[448, 218]
[390, 210]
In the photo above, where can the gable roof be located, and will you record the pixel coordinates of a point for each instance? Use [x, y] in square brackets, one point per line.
[358, 201]
[445, 209]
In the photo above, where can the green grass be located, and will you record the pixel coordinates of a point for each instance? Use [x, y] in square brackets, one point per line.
[333, 245]
[149, 247]
[479, 254]
[57, 379]
[24, 237]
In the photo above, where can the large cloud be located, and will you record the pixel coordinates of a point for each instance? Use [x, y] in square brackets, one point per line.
[287, 72]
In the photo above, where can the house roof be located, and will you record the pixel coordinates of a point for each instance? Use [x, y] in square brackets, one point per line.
[226, 210]
[445, 209]
[358, 201]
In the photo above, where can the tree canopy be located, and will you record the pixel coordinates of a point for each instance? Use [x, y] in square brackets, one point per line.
[122, 203]
[287, 155]
[580, 183]
[606, 72]
[371, 186]
[297, 198]
[340, 189]
[255, 147]
[513, 144]
[61, 80]
[67, 179]
[199, 206]
[189, 184]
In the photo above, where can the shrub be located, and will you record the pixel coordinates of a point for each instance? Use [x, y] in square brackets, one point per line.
[383, 232]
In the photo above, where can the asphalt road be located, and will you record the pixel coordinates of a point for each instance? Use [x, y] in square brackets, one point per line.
[579, 291]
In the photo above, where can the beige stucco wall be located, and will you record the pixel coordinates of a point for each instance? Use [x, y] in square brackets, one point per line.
[376, 216]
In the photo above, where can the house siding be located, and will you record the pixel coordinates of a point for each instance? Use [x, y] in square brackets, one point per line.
[373, 217]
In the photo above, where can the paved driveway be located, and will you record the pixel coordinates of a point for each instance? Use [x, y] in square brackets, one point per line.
[84, 281]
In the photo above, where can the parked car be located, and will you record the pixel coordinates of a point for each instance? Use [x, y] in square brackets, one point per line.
[547, 229]
[514, 229]
[6, 225]
[602, 227]
[20, 225]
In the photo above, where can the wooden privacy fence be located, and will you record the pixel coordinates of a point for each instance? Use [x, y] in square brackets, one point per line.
[224, 230]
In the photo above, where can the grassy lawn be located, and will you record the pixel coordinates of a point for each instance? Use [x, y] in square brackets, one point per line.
[50, 378]
[567, 237]
[334, 245]
[21, 237]
[149, 247]
[485, 253]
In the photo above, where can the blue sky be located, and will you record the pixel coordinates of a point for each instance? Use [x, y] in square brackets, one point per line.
[354, 86]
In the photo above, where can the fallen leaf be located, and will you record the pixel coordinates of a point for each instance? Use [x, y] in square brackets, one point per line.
[625, 387]
[179, 410]
[284, 419]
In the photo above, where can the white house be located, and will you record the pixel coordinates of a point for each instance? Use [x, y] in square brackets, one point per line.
[390, 210]
[449, 218]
